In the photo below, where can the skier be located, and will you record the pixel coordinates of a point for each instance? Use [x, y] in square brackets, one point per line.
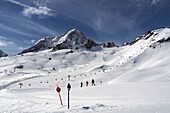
[93, 82]
[101, 82]
[81, 84]
[87, 83]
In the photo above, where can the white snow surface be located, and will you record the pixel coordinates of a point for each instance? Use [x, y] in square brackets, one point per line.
[129, 79]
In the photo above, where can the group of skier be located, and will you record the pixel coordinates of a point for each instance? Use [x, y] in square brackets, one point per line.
[87, 83]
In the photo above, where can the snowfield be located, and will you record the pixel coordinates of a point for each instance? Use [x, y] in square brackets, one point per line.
[115, 98]
[129, 79]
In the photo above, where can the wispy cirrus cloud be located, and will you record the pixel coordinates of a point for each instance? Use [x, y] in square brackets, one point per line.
[23, 26]
[4, 42]
[9, 47]
[155, 2]
[37, 27]
[40, 9]
[17, 3]
[14, 30]
[149, 2]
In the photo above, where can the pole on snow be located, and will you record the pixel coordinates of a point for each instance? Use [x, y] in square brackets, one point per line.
[68, 87]
[60, 99]
[58, 89]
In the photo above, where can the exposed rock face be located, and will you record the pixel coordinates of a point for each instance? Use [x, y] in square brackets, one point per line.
[42, 44]
[73, 39]
[2, 54]
[109, 44]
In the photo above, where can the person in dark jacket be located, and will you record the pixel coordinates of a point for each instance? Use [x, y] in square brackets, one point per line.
[93, 82]
[81, 84]
[87, 83]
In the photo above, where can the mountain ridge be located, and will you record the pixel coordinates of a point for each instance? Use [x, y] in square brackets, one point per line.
[147, 35]
[73, 39]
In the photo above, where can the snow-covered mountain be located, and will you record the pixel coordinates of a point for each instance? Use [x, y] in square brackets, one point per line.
[129, 79]
[73, 39]
[151, 35]
[2, 54]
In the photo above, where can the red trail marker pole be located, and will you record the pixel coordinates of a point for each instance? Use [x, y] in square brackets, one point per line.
[58, 89]
[60, 99]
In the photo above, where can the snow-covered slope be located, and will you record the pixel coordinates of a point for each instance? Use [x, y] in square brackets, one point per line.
[2, 54]
[129, 79]
[149, 57]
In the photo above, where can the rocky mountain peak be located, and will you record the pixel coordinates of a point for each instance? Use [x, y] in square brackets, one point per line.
[73, 39]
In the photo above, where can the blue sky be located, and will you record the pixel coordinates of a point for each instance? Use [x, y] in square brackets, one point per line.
[22, 22]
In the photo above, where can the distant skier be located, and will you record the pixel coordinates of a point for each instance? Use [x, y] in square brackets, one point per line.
[101, 82]
[93, 82]
[87, 83]
[81, 84]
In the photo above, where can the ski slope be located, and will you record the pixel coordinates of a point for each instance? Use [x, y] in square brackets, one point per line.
[115, 98]
[129, 79]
